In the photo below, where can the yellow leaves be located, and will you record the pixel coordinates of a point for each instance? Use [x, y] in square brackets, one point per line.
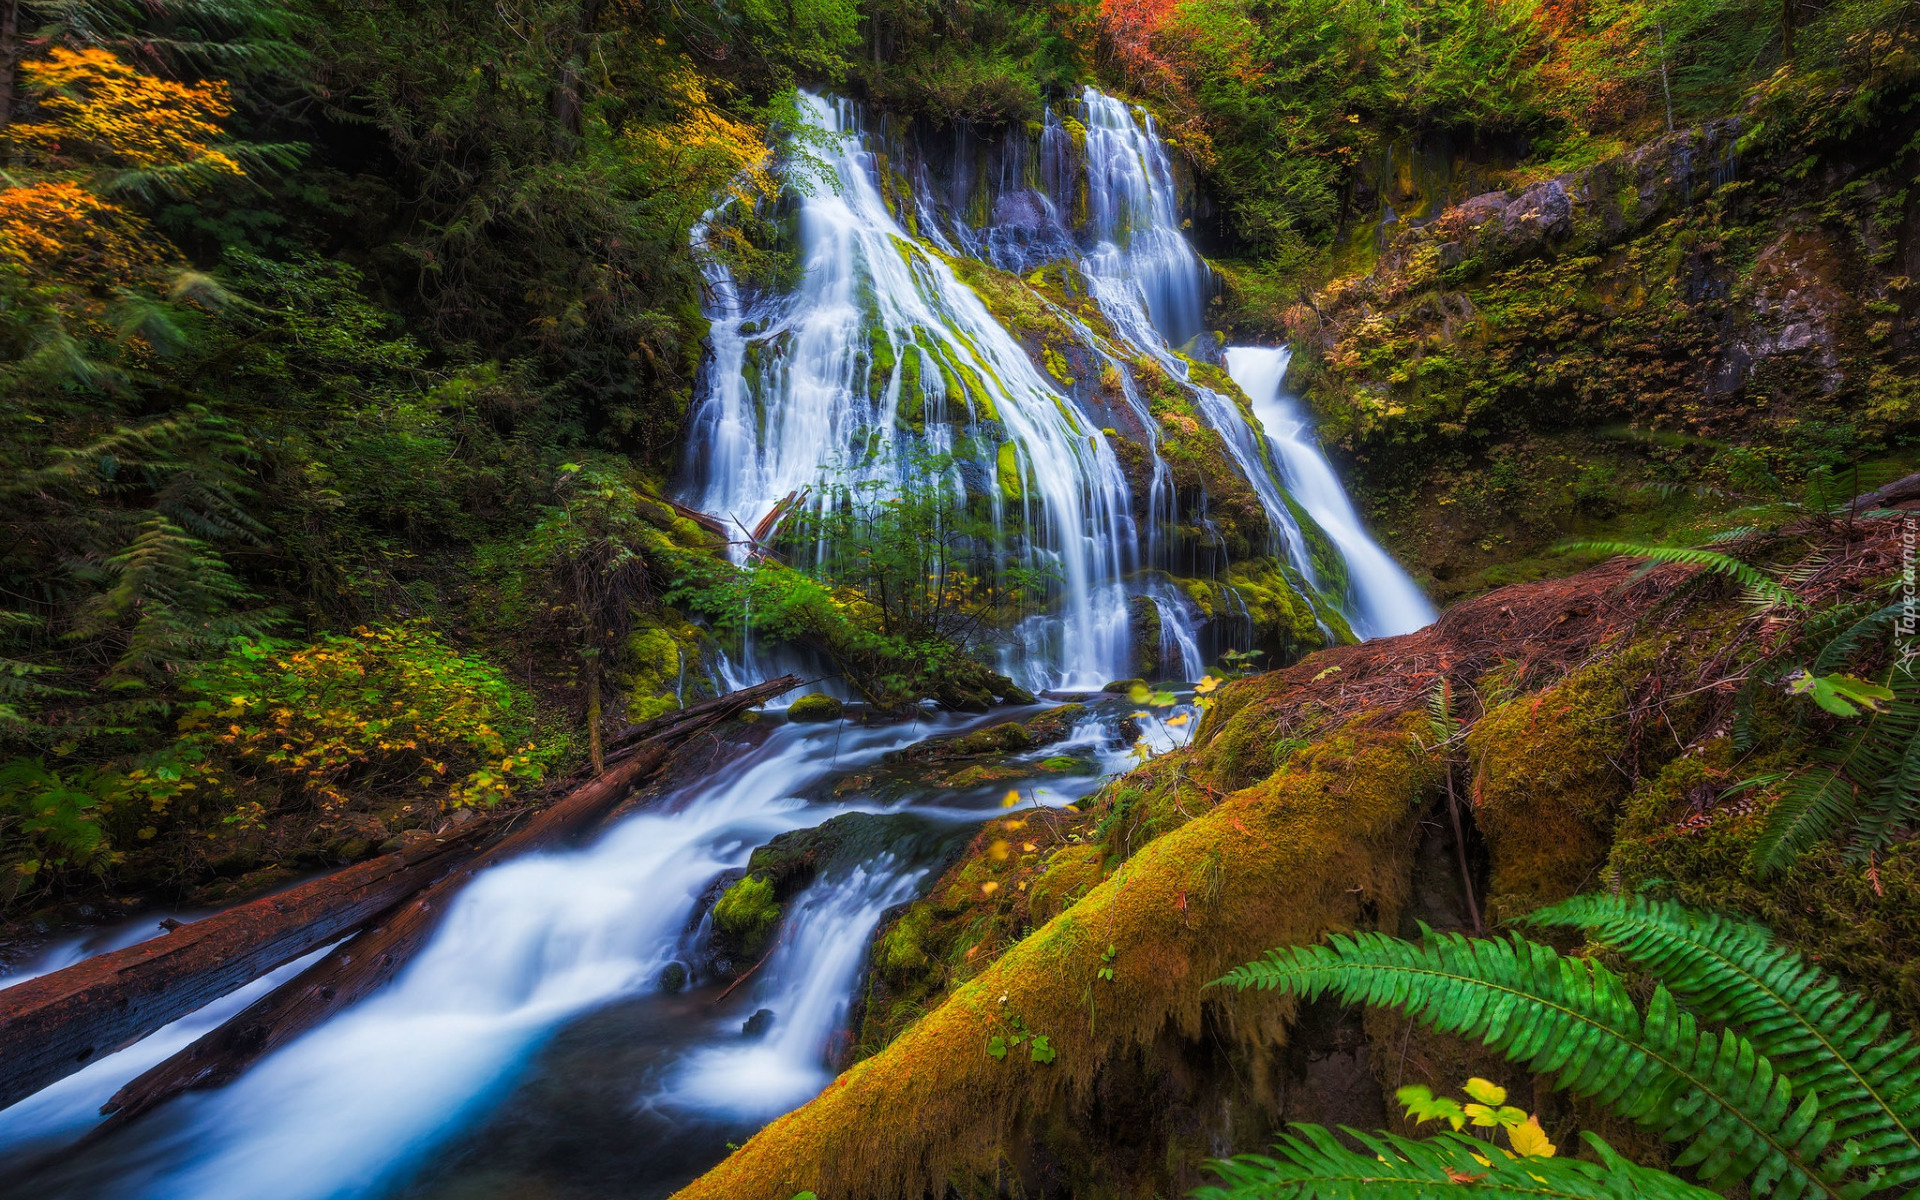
[1530, 1141]
[97, 110]
[1011, 799]
[997, 851]
[705, 147]
[1207, 686]
[989, 888]
[1485, 1091]
[1488, 1109]
[58, 229]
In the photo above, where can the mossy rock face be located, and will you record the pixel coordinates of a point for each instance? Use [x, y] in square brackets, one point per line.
[1545, 790]
[655, 659]
[817, 706]
[745, 918]
[1322, 847]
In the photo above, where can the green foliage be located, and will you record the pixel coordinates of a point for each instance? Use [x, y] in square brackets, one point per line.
[381, 712]
[1831, 1042]
[50, 822]
[1867, 786]
[1574, 1020]
[1313, 1164]
[1759, 585]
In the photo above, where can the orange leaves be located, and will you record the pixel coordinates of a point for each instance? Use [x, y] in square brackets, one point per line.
[705, 148]
[58, 229]
[95, 110]
[1130, 29]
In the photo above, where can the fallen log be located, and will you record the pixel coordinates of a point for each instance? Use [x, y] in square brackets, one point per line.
[1897, 492]
[52, 1026]
[375, 955]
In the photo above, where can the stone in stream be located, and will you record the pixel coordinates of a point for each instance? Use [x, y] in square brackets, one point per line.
[757, 1024]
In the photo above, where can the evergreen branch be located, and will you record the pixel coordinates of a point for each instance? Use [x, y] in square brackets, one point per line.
[1734, 972]
[1573, 1019]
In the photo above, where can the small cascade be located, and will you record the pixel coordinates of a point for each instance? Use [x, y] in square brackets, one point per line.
[1177, 641]
[808, 988]
[1382, 599]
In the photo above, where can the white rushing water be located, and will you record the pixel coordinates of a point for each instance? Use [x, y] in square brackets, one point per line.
[1152, 286]
[808, 988]
[1383, 599]
[877, 323]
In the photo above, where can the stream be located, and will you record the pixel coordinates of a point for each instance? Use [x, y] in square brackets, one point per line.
[539, 1046]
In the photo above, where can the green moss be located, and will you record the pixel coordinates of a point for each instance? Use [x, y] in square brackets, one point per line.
[1012, 488]
[652, 659]
[1546, 792]
[747, 915]
[1319, 848]
[1057, 366]
[815, 706]
[910, 412]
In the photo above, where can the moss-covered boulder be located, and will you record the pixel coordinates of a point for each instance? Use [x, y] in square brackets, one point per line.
[745, 918]
[816, 706]
[1008, 737]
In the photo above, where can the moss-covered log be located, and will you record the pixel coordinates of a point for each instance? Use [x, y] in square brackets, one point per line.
[1321, 846]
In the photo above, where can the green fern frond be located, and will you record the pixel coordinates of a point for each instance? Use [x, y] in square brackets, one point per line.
[1836, 653]
[1573, 1020]
[1732, 971]
[1312, 1164]
[1744, 573]
[1865, 787]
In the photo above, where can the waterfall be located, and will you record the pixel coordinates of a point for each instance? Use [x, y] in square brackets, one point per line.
[1152, 286]
[808, 988]
[1383, 600]
[826, 389]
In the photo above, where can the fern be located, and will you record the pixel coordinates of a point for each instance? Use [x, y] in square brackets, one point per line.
[1751, 577]
[1311, 1162]
[1867, 786]
[1733, 972]
[1574, 1020]
[173, 594]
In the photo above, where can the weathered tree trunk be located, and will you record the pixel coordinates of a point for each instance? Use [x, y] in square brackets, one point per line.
[1897, 492]
[9, 56]
[373, 957]
[56, 1024]
[569, 99]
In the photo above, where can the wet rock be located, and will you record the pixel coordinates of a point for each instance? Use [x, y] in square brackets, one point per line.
[1122, 687]
[1009, 691]
[673, 977]
[816, 706]
[1009, 737]
[757, 1025]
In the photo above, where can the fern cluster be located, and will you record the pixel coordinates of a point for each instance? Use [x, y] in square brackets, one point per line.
[1767, 1073]
[1830, 1041]
[1312, 1162]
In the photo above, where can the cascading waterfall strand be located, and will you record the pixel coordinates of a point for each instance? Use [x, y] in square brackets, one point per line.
[881, 355]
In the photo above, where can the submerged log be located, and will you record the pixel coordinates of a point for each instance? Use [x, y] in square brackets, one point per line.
[375, 955]
[52, 1026]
